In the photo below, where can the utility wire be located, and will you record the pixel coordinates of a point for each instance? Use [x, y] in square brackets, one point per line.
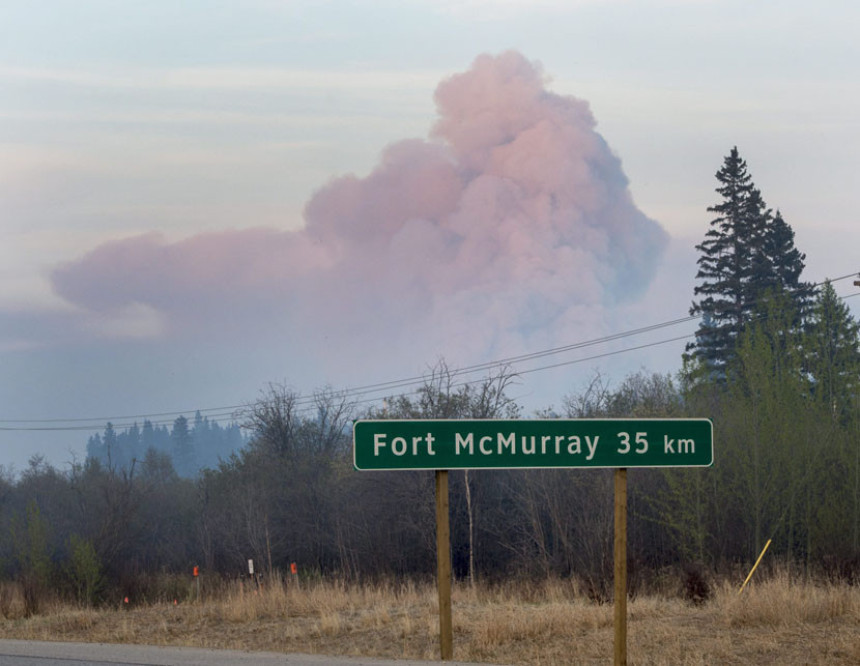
[364, 389]
[302, 410]
[308, 403]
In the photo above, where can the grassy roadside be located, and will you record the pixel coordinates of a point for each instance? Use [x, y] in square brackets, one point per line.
[775, 621]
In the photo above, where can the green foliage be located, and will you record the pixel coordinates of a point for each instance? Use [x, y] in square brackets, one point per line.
[682, 508]
[786, 425]
[833, 354]
[33, 556]
[767, 393]
[84, 570]
[779, 374]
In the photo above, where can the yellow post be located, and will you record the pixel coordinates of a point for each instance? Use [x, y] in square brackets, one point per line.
[443, 567]
[755, 566]
[621, 567]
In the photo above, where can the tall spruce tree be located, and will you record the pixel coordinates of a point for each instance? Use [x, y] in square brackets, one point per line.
[747, 253]
[724, 267]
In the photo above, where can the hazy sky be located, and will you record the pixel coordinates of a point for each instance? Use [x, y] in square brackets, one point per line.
[200, 198]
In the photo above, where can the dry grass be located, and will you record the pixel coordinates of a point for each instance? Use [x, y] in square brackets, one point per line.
[775, 621]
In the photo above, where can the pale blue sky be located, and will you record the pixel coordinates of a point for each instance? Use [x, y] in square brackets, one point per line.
[118, 118]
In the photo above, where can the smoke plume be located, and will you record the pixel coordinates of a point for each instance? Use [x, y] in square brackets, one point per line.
[505, 230]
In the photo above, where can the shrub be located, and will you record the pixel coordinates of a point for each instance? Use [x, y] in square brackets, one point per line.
[85, 571]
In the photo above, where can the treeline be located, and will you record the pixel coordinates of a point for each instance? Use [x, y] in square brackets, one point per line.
[204, 444]
[787, 469]
[775, 365]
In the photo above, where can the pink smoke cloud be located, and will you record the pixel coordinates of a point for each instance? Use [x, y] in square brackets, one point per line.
[507, 227]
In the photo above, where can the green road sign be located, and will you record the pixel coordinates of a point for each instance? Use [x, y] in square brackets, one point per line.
[538, 443]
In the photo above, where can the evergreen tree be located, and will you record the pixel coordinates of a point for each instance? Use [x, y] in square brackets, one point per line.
[109, 437]
[778, 265]
[96, 448]
[127, 444]
[147, 436]
[785, 261]
[107, 451]
[747, 254]
[183, 447]
[724, 266]
[200, 425]
[189, 447]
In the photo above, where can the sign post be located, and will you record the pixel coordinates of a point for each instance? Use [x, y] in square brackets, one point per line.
[620, 552]
[443, 566]
[443, 445]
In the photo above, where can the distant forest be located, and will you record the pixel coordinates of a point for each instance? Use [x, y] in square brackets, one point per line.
[775, 365]
[190, 448]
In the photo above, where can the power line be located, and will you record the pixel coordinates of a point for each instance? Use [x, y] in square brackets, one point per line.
[406, 393]
[308, 403]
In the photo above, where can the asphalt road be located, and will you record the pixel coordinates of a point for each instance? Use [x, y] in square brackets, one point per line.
[39, 653]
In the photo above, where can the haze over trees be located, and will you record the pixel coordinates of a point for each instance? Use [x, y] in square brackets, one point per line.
[190, 448]
[775, 365]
